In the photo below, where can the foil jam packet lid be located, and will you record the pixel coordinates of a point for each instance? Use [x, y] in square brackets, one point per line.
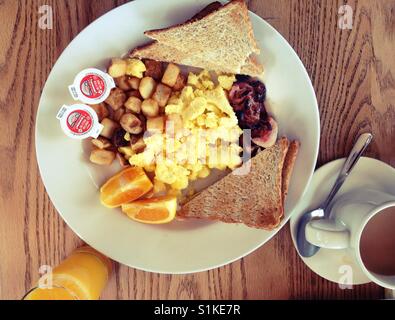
[79, 121]
[92, 86]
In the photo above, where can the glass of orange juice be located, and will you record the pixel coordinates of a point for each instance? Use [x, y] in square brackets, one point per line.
[82, 276]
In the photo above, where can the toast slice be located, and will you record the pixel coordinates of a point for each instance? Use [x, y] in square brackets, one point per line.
[255, 199]
[251, 66]
[160, 52]
[222, 36]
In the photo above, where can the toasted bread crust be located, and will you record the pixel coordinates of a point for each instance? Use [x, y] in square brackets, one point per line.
[289, 165]
[209, 9]
[252, 67]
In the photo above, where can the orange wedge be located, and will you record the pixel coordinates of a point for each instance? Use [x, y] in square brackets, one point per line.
[154, 211]
[128, 185]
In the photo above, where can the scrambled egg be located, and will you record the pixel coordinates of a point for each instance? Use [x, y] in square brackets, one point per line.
[226, 82]
[135, 68]
[201, 133]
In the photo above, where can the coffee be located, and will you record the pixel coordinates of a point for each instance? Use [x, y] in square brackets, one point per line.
[377, 244]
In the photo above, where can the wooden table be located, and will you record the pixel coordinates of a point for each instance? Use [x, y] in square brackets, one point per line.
[353, 73]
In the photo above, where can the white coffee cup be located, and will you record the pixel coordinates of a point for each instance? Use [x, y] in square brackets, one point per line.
[350, 216]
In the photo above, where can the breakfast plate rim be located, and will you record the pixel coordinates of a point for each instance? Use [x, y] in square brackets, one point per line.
[314, 152]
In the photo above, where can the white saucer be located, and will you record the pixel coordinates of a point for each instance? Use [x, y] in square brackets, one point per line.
[369, 173]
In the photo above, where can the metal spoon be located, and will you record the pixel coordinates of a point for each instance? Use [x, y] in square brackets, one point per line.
[306, 249]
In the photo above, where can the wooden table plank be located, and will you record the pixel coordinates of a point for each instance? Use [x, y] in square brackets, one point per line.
[353, 75]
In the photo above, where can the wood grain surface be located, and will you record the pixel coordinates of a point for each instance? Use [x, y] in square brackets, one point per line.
[353, 75]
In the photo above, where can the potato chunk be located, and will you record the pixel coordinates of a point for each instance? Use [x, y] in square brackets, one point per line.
[180, 82]
[162, 94]
[134, 93]
[117, 68]
[137, 145]
[102, 157]
[150, 108]
[109, 128]
[101, 143]
[134, 83]
[123, 162]
[101, 110]
[147, 87]
[131, 123]
[116, 99]
[118, 114]
[123, 83]
[154, 69]
[133, 104]
[156, 124]
[171, 74]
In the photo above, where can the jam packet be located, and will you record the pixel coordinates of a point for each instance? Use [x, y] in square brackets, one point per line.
[79, 121]
[92, 86]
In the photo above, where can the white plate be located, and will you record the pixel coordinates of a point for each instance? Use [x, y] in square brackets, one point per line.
[368, 173]
[180, 247]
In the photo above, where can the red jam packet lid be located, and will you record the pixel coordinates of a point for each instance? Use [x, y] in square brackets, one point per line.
[92, 86]
[79, 121]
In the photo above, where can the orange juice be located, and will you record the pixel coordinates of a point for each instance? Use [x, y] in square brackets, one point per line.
[81, 276]
[50, 294]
